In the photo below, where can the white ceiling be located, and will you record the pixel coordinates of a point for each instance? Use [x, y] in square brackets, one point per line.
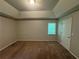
[64, 6]
[59, 9]
[24, 5]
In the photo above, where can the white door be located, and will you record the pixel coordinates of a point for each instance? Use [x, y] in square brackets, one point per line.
[66, 32]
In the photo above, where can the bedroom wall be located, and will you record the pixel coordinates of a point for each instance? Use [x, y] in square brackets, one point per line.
[7, 32]
[34, 30]
[74, 46]
[7, 25]
[74, 43]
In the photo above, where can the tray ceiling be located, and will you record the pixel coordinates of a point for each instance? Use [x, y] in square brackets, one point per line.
[24, 5]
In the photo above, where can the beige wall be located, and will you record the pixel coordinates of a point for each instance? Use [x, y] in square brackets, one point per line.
[7, 32]
[8, 9]
[74, 43]
[75, 31]
[33, 30]
[7, 26]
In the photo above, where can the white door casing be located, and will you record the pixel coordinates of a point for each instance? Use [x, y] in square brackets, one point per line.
[66, 32]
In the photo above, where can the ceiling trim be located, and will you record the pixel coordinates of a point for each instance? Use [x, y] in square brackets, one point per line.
[17, 19]
[37, 19]
[7, 16]
[74, 9]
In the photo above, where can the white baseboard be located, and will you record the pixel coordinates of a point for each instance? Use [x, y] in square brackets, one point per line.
[73, 54]
[7, 45]
[37, 40]
[70, 52]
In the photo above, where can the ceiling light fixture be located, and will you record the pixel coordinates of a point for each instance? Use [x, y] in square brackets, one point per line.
[32, 2]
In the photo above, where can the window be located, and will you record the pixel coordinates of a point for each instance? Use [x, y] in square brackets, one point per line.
[51, 28]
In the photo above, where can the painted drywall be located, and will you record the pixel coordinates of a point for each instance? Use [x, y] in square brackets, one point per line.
[8, 9]
[63, 6]
[7, 32]
[75, 34]
[37, 14]
[74, 43]
[34, 30]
